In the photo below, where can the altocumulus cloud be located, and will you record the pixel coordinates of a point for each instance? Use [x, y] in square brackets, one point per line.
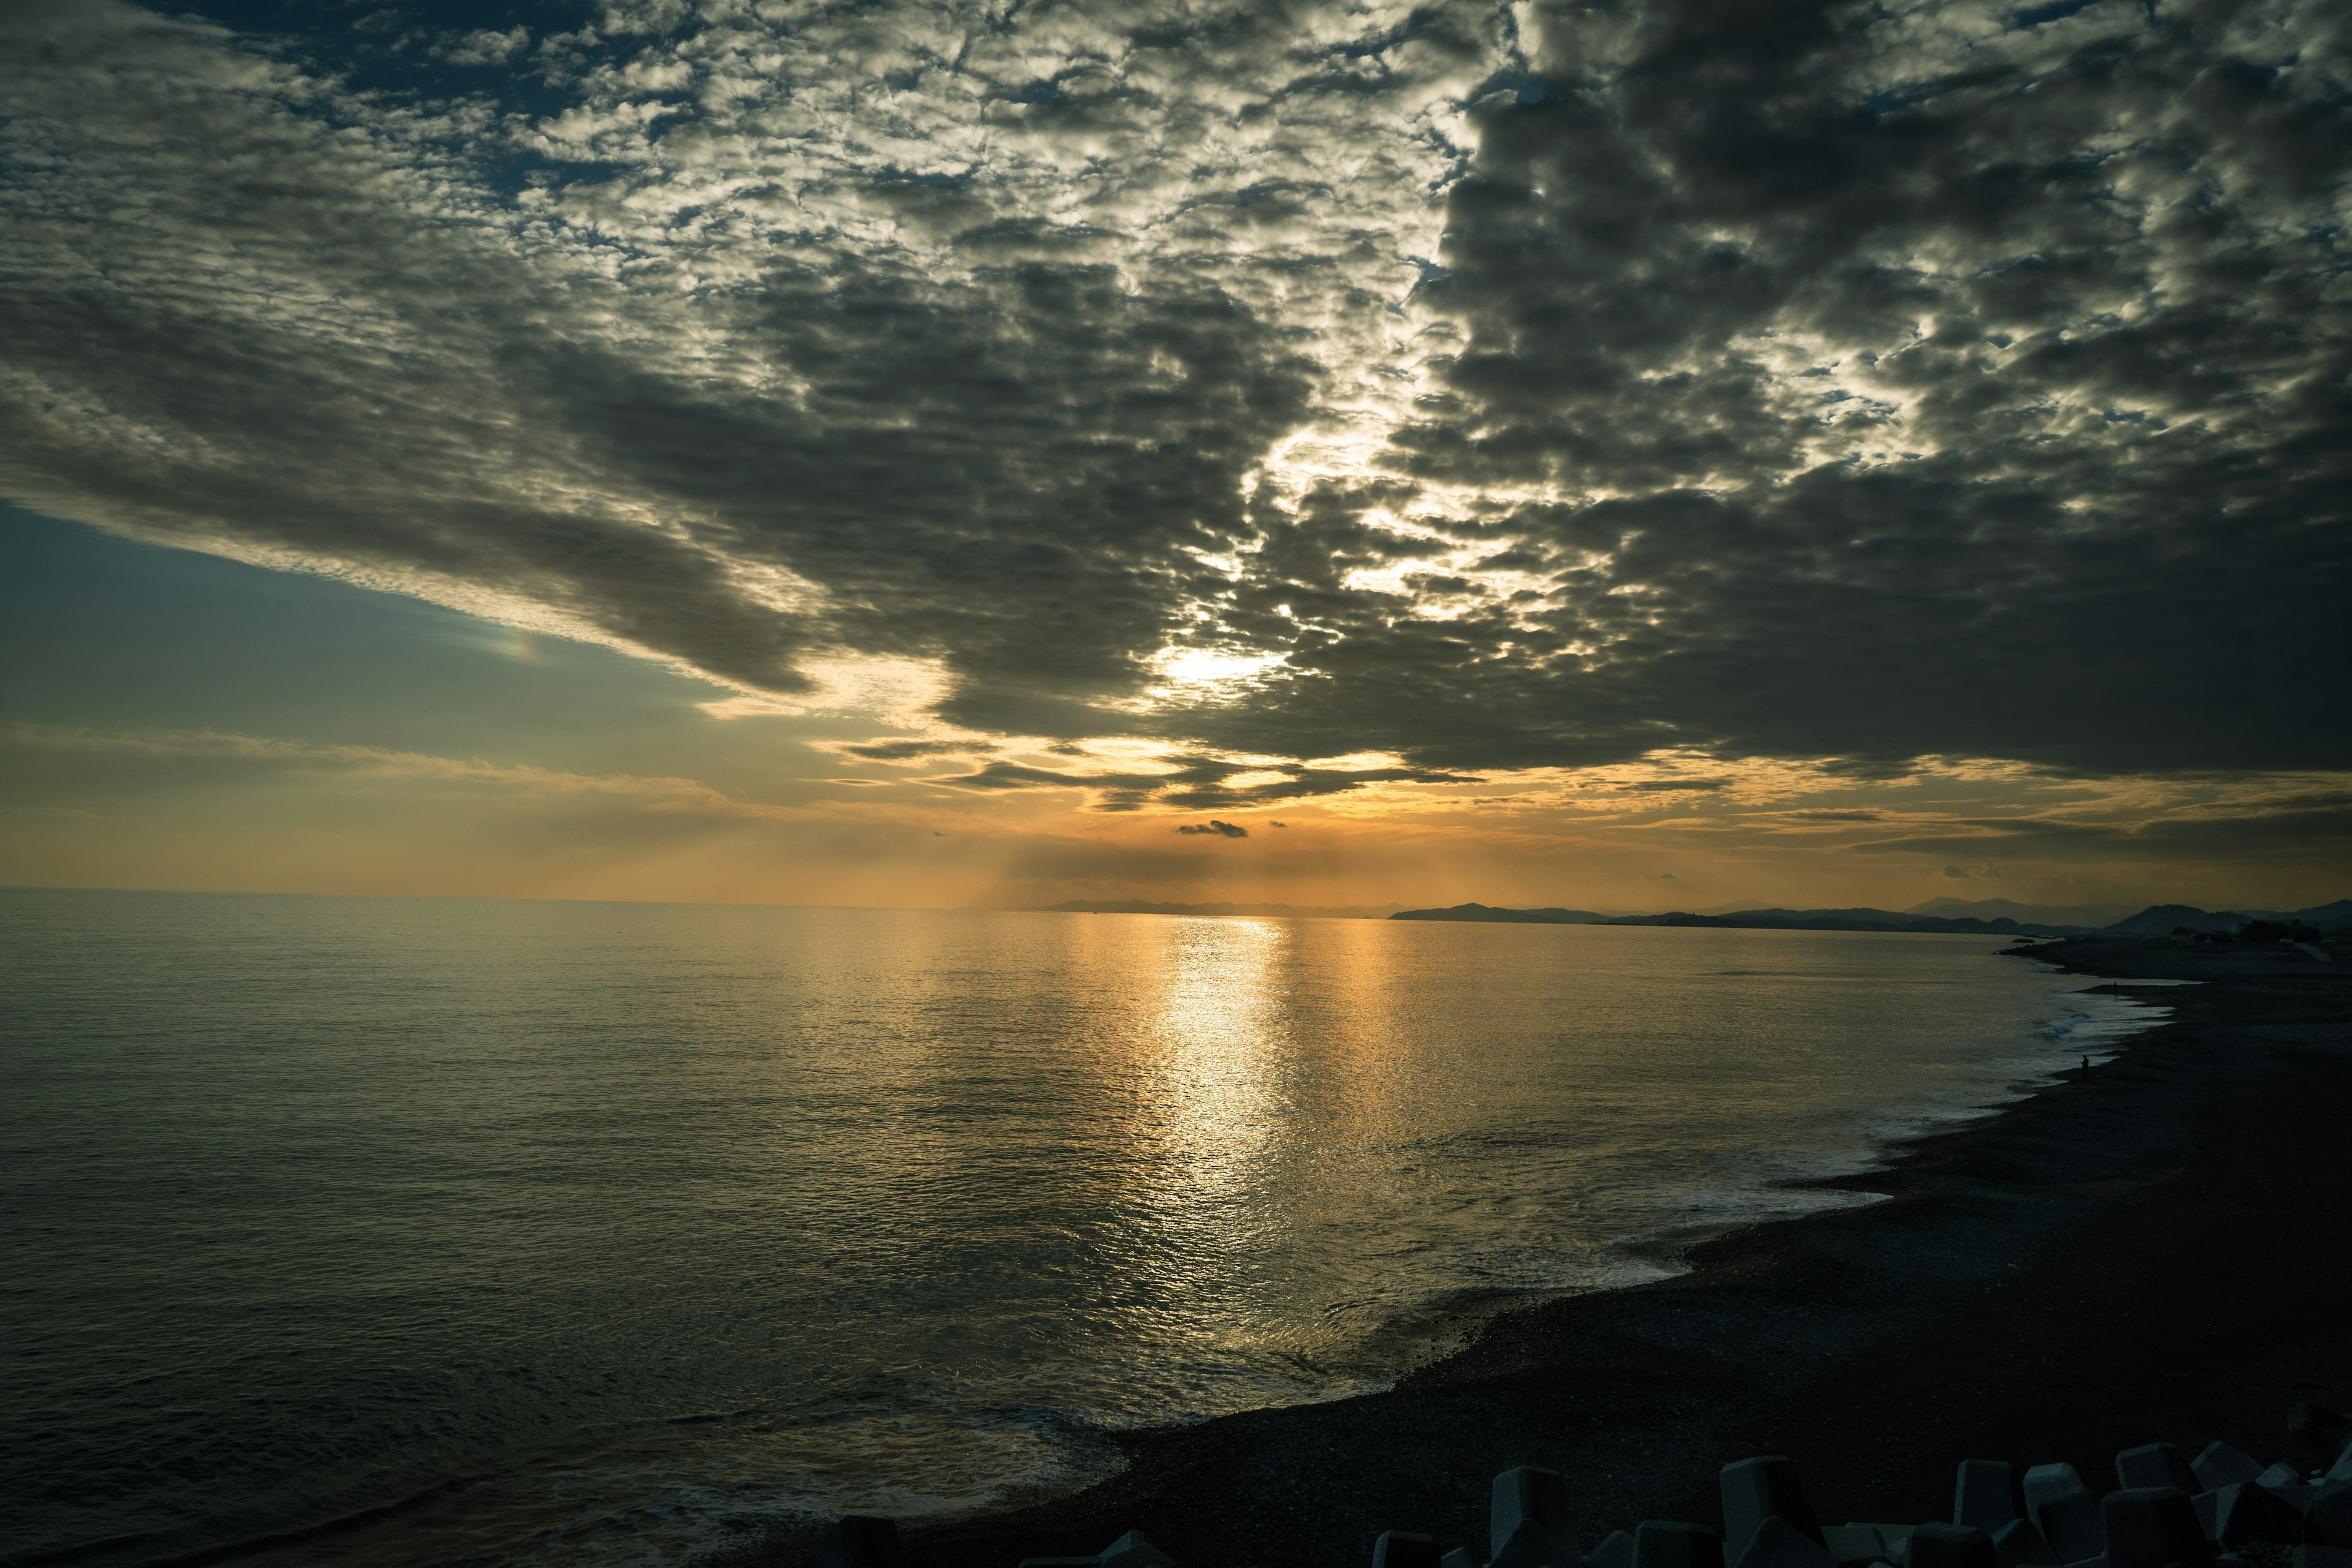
[1484, 387]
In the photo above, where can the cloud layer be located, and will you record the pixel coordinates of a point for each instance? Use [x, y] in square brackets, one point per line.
[1474, 388]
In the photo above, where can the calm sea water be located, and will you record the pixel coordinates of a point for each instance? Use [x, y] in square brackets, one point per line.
[420, 1232]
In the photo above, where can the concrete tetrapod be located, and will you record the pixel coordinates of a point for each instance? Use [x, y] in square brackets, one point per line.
[1530, 1496]
[2066, 1515]
[1894, 1540]
[1941, 1545]
[2043, 1482]
[1616, 1550]
[2018, 1544]
[1404, 1549]
[2234, 1515]
[2153, 1527]
[1533, 1546]
[2220, 1465]
[1458, 1558]
[2154, 1465]
[2287, 1483]
[1984, 1494]
[1853, 1545]
[1666, 1543]
[1777, 1543]
[1760, 1489]
[1134, 1549]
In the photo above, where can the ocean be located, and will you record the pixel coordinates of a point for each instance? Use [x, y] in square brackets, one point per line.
[420, 1232]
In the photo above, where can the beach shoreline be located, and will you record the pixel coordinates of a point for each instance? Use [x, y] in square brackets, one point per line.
[2159, 1253]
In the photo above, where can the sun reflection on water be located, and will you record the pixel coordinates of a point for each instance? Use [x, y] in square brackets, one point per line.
[1219, 1038]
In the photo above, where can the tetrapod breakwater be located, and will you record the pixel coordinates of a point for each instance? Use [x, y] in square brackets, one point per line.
[2221, 1508]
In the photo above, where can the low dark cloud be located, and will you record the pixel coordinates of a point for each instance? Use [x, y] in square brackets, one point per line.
[1795, 379]
[908, 750]
[1673, 786]
[1220, 829]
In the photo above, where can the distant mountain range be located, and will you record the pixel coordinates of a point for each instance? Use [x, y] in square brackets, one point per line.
[1857, 919]
[2090, 915]
[1512, 917]
[2158, 919]
[2162, 920]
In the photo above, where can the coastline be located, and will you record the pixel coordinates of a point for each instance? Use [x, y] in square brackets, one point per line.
[2161, 1253]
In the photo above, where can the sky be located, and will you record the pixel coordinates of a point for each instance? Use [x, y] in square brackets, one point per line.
[1617, 456]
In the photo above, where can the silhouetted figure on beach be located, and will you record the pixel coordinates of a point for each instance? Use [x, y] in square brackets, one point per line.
[2087, 1069]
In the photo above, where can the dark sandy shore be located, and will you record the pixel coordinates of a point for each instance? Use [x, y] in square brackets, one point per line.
[2161, 1253]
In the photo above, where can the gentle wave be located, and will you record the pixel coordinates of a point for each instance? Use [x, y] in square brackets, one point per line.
[577, 1235]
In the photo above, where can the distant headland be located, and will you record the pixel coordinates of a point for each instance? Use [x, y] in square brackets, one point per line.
[2157, 920]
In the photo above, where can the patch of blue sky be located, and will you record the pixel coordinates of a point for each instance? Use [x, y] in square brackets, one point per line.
[434, 52]
[104, 633]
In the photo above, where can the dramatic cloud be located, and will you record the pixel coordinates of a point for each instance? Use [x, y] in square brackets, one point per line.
[1220, 829]
[1471, 387]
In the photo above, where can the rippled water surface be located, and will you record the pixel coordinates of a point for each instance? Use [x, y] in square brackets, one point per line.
[541, 1233]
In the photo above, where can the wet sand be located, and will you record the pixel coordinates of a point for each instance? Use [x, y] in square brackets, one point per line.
[2163, 1252]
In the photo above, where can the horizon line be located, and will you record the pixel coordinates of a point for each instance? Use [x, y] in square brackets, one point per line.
[985, 908]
